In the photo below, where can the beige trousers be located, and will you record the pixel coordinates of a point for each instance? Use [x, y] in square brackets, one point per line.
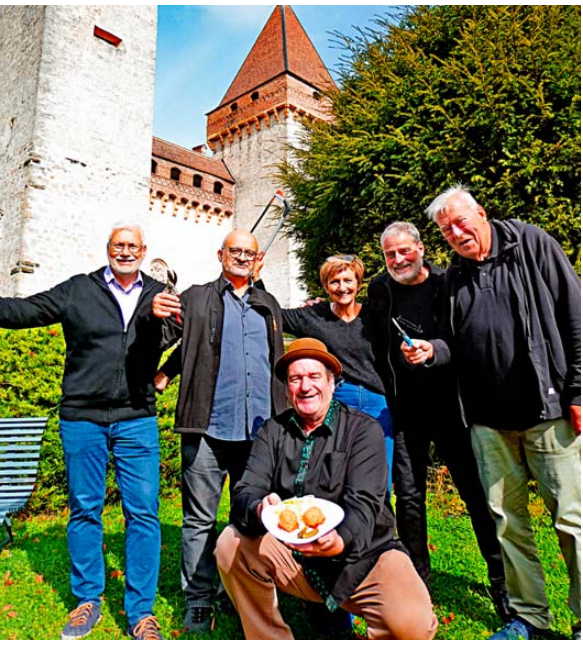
[392, 598]
[551, 452]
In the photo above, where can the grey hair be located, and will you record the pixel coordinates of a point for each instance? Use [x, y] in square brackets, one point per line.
[400, 227]
[125, 225]
[442, 200]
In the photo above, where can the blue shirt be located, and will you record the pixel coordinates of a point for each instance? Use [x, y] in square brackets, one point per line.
[242, 400]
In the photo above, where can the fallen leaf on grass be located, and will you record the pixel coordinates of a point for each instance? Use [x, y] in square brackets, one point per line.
[7, 579]
[39, 578]
[116, 574]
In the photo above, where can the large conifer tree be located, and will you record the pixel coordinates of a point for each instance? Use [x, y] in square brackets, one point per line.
[485, 95]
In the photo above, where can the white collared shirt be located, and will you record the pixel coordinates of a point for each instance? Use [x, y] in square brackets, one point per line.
[127, 298]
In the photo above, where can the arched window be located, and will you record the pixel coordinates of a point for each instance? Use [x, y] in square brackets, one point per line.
[154, 166]
[175, 174]
[254, 96]
[234, 106]
[197, 181]
[217, 188]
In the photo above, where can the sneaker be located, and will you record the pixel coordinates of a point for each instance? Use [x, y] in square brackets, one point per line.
[516, 629]
[81, 621]
[146, 628]
[198, 619]
[499, 596]
[576, 631]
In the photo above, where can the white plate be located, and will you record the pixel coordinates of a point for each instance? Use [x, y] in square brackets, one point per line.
[270, 517]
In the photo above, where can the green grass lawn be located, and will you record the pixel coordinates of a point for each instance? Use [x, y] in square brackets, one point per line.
[35, 597]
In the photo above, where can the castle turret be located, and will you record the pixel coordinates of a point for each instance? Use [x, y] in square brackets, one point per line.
[280, 83]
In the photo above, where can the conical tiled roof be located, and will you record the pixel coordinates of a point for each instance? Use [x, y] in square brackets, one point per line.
[282, 47]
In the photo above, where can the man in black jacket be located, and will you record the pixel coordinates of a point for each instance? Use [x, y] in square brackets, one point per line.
[321, 448]
[108, 405]
[231, 337]
[514, 319]
[425, 405]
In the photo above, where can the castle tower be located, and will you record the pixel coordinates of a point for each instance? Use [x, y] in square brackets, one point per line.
[279, 84]
[76, 112]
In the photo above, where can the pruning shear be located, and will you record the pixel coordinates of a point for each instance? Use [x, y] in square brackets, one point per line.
[403, 334]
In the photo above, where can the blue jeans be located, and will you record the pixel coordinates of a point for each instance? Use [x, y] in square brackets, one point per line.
[206, 462]
[136, 457]
[374, 405]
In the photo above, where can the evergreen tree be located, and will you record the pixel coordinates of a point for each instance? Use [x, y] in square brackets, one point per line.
[485, 95]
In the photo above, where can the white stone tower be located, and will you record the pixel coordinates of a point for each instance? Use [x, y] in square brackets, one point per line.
[76, 111]
[280, 83]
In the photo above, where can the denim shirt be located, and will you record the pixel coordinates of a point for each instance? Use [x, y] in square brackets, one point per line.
[242, 400]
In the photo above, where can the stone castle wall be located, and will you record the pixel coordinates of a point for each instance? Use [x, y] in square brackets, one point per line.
[75, 136]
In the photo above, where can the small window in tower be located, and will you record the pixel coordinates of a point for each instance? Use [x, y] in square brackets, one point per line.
[197, 181]
[108, 37]
[233, 107]
[154, 167]
[254, 96]
[317, 96]
[175, 174]
[217, 188]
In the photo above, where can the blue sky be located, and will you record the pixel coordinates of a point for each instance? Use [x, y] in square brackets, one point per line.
[201, 48]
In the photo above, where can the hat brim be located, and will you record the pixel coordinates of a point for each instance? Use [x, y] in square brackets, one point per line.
[329, 360]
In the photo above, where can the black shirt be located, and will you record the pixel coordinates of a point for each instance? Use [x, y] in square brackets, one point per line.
[349, 342]
[346, 465]
[496, 375]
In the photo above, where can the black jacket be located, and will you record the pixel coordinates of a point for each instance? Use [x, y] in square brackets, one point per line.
[347, 466]
[199, 353]
[548, 296]
[109, 372]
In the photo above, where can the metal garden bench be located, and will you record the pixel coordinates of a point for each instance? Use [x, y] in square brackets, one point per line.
[20, 440]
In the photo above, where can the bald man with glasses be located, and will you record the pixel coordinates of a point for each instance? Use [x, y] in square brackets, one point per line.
[231, 337]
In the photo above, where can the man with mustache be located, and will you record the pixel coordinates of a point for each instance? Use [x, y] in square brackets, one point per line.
[108, 406]
[513, 327]
[231, 337]
[424, 404]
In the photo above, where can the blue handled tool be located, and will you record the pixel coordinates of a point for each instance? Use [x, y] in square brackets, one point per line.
[403, 334]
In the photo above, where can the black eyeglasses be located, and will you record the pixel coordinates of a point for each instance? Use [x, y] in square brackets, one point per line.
[345, 257]
[245, 253]
[132, 248]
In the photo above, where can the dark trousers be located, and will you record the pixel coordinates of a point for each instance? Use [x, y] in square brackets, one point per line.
[206, 462]
[453, 443]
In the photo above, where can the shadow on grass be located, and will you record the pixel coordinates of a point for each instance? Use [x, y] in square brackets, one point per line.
[47, 555]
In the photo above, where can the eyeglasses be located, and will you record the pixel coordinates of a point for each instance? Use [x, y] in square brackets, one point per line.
[345, 257]
[245, 253]
[132, 248]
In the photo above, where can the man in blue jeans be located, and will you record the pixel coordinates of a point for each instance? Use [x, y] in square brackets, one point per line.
[108, 406]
